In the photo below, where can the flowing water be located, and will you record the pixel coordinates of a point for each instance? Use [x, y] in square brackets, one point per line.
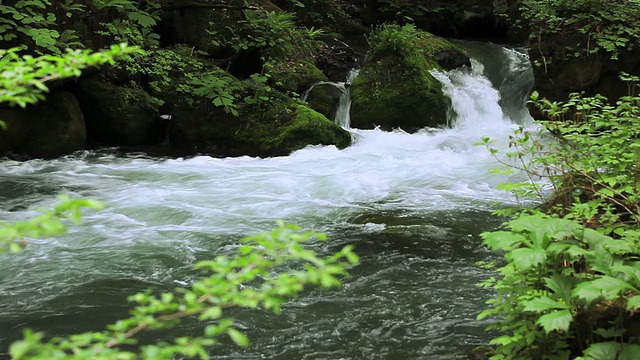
[412, 204]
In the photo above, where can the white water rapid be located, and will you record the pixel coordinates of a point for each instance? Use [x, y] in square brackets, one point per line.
[418, 191]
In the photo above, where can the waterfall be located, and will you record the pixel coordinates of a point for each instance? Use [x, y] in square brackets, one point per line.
[474, 100]
[484, 100]
[342, 116]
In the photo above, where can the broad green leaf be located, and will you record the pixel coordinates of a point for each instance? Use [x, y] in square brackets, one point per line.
[543, 229]
[526, 258]
[560, 285]
[566, 248]
[557, 320]
[602, 351]
[502, 240]
[610, 333]
[629, 352]
[541, 304]
[587, 292]
[633, 303]
[606, 286]
[594, 238]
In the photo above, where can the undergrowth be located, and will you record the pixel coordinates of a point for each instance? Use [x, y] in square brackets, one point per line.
[570, 287]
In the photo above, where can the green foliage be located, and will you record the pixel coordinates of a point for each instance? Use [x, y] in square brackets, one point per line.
[592, 165]
[274, 34]
[23, 78]
[183, 71]
[416, 47]
[132, 24]
[607, 25]
[33, 18]
[565, 291]
[267, 270]
[50, 223]
[218, 87]
[43, 26]
[570, 288]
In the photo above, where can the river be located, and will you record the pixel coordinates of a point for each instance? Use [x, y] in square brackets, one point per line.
[412, 204]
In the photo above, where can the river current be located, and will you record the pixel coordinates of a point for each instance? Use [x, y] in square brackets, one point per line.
[412, 204]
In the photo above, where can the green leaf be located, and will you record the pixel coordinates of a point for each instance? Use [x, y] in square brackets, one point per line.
[502, 240]
[633, 303]
[602, 351]
[211, 313]
[557, 320]
[560, 285]
[629, 352]
[610, 333]
[542, 303]
[606, 286]
[239, 338]
[526, 258]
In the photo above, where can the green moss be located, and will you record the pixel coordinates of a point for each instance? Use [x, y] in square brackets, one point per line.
[295, 76]
[309, 127]
[324, 98]
[396, 88]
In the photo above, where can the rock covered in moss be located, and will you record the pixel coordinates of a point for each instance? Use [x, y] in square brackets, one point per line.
[49, 129]
[309, 127]
[324, 98]
[395, 89]
[295, 76]
[116, 115]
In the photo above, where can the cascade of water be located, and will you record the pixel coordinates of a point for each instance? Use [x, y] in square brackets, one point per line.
[474, 100]
[342, 116]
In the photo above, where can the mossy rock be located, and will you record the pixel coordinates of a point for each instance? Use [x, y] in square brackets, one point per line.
[324, 98]
[286, 127]
[395, 89]
[309, 127]
[267, 128]
[295, 76]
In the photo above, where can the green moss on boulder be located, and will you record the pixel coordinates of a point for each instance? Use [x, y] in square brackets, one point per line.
[309, 127]
[295, 76]
[395, 89]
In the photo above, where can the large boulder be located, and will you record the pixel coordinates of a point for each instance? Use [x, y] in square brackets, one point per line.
[116, 115]
[396, 89]
[48, 129]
